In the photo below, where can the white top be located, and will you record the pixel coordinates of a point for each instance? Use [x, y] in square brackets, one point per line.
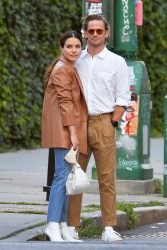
[105, 80]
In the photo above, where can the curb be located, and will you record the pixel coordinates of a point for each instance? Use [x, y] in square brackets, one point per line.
[151, 215]
[127, 187]
[96, 218]
[25, 235]
[148, 215]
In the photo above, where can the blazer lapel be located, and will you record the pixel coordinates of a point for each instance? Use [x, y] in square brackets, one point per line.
[62, 58]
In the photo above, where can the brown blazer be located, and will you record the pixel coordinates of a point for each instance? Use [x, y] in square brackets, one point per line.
[64, 104]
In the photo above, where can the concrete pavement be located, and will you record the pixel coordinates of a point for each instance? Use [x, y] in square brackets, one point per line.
[22, 176]
[93, 245]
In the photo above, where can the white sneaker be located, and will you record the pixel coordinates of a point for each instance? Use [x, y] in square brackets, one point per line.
[110, 235]
[66, 234]
[73, 232]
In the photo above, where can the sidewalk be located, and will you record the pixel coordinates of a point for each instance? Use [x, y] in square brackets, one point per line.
[23, 175]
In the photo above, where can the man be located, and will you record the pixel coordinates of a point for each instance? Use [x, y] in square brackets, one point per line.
[106, 86]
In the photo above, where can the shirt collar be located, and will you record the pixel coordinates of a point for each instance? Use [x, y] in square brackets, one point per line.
[101, 54]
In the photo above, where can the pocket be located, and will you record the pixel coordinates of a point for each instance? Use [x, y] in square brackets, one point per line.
[106, 80]
[107, 128]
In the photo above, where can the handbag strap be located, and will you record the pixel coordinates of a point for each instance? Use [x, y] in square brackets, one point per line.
[75, 165]
[77, 153]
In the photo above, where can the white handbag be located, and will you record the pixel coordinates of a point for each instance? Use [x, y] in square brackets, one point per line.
[77, 181]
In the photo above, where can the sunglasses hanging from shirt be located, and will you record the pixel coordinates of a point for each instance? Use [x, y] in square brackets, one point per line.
[129, 109]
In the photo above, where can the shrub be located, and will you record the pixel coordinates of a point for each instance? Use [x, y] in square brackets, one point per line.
[152, 46]
[29, 38]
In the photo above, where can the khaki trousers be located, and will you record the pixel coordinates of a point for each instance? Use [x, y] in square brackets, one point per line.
[101, 142]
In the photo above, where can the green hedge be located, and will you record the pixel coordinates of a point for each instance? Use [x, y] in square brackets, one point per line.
[29, 41]
[152, 44]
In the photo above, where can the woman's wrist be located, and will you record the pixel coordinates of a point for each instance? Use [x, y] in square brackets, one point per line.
[72, 129]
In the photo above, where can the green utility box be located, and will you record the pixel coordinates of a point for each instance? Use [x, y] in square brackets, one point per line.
[133, 134]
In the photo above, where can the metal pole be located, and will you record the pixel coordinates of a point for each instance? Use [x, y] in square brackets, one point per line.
[165, 149]
[51, 171]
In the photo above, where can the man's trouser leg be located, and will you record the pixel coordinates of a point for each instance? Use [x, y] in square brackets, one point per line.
[75, 201]
[101, 135]
[101, 140]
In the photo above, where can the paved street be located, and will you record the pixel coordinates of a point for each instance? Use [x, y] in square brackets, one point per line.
[27, 169]
[89, 245]
[24, 173]
[22, 176]
[157, 156]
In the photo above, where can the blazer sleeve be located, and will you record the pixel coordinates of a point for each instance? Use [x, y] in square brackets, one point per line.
[62, 80]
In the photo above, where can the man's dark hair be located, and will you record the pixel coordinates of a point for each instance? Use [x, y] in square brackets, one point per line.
[95, 17]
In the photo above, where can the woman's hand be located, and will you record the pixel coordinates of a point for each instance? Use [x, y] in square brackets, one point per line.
[75, 142]
[74, 138]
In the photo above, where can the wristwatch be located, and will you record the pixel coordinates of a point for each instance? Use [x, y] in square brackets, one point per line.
[114, 123]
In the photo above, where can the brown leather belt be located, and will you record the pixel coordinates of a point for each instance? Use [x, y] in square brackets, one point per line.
[99, 117]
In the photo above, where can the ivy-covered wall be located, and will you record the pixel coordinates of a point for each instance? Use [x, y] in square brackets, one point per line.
[29, 41]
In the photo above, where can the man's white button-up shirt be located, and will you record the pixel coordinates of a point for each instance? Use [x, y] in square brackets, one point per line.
[105, 80]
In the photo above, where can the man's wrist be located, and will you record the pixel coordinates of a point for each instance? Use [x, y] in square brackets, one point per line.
[114, 123]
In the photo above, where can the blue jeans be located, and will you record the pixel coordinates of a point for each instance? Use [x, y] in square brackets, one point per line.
[58, 200]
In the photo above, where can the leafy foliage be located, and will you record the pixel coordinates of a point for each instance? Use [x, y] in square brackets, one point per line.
[129, 209]
[29, 41]
[95, 229]
[149, 204]
[152, 44]
[88, 229]
[158, 186]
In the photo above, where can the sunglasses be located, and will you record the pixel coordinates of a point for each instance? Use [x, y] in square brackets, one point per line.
[129, 109]
[92, 31]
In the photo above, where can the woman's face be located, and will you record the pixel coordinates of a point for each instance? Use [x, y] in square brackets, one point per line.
[72, 49]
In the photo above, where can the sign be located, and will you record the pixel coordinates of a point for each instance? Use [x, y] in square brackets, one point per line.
[93, 8]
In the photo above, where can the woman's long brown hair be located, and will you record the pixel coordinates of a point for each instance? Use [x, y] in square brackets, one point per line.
[63, 39]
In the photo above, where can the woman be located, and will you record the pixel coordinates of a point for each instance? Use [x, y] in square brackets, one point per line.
[64, 124]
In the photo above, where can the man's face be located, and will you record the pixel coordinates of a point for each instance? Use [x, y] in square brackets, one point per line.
[96, 39]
